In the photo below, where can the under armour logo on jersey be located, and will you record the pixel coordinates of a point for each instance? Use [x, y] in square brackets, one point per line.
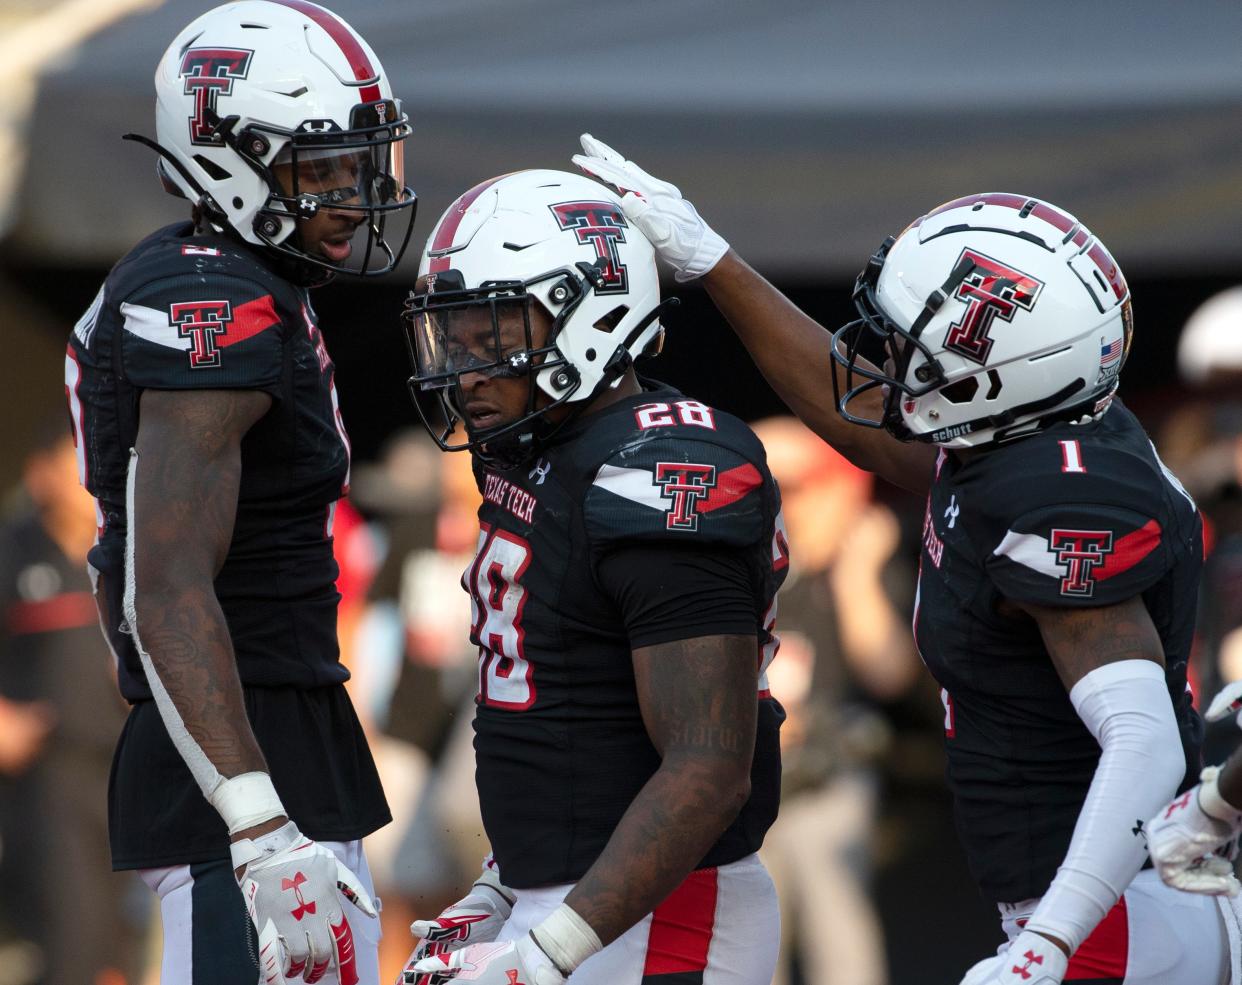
[1025, 970]
[685, 483]
[295, 884]
[541, 469]
[952, 510]
[1139, 830]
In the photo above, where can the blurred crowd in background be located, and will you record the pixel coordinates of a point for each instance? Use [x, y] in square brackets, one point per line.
[805, 132]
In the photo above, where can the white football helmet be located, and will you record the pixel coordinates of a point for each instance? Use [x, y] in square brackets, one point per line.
[549, 238]
[257, 84]
[994, 316]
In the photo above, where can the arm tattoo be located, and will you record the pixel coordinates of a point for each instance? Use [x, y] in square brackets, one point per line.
[1080, 640]
[699, 703]
[185, 502]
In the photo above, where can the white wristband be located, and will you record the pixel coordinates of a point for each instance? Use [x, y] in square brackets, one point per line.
[1212, 803]
[566, 939]
[246, 800]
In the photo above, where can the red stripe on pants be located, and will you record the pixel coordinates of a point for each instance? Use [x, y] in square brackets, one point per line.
[1103, 956]
[681, 927]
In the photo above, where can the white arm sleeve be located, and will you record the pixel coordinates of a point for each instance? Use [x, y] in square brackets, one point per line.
[1126, 706]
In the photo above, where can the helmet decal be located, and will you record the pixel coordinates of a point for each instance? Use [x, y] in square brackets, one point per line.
[354, 53]
[209, 73]
[601, 225]
[991, 290]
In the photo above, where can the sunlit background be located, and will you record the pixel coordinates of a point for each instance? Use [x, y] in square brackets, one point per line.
[805, 131]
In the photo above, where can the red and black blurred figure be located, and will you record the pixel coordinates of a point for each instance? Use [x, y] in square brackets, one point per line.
[59, 719]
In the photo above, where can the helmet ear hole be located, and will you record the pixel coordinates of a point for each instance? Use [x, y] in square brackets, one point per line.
[212, 168]
[961, 392]
[610, 321]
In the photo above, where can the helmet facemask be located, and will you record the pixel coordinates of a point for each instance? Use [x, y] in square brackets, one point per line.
[451, 331]
[357, 175]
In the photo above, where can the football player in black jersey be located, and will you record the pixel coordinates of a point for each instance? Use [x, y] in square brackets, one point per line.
[628, 754]
[1060, 560]
[208, 432]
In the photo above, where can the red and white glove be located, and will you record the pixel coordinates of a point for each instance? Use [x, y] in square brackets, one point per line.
[476, 918]
[1184, 839]
[1030, 959]
[290, 885]
[680, 236]
[548, 955]
[1227, 702]
[520, 962]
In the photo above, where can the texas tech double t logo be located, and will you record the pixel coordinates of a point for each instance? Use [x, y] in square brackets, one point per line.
[685, 483]
[201, 322]
[208, 73]
[991, 290]
[601, 225]
[1081, 551]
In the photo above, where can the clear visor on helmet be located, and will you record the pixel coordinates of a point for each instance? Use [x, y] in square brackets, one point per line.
[492, 338]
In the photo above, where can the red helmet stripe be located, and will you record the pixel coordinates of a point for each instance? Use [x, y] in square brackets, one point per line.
[447, 229]
[354, 53]
[1055, 218]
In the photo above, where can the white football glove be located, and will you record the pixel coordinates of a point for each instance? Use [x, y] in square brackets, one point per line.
[520, 962]
[1227, 702]
[680, 236]
[476, 918]
[290, 885]
[1184, 835]
[1031, 959]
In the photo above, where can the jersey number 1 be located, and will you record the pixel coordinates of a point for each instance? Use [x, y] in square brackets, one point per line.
[497, 598]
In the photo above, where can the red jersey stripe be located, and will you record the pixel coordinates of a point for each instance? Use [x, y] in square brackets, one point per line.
[1130, 550]
[249, 319]
[732, 485]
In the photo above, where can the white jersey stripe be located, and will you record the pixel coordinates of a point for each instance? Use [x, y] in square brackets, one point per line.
[1032, 552]
[632, 484]
[154, 326]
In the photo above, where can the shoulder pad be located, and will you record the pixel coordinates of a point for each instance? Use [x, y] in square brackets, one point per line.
[683, 488]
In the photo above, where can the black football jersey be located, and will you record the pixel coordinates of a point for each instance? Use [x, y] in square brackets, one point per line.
[1078, 515]
[560, 743]
[183, 311]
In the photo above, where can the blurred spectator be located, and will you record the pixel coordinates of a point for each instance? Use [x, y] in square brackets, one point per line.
[414, 672]
[846, 649]
[59, 718]
[1202, 443]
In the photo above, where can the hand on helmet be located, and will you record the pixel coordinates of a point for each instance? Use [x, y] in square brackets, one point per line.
[680, 236]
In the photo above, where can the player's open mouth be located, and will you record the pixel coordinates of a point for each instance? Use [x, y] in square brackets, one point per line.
[482, 416]
[337, 249]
